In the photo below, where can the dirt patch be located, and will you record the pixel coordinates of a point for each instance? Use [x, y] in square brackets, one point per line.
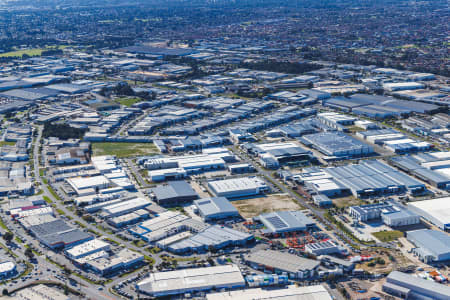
[347, 201]
[252, 207]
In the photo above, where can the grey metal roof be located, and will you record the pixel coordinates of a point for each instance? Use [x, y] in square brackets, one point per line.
[418, 285]
[174, 189]
[214, 206]
[436, 242]
[283, 221]
[281, 261]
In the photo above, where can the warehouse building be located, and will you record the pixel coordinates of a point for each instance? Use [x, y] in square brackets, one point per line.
[87, 185]
[125, 259]
[395, 141]
[436, 211]
[215, 208]
[167, 224]
[320, 182]
[272, 155]
[337, 144]
[284, 221]
[279, 262]
[124, 207]
[41, 292]
[323, 248]
[210, 159]
[372, 177]
[427, 167]
[213, 237]
[238, 187]
[336, 120]
[178, 282]
[87, 248]
[432, 245]
[407, 286]
[57, 234]
[316, 292]
[321, 200]
[167, 174]
[173, 193]
[401, 86]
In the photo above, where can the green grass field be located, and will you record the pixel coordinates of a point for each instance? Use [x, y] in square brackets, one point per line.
[4, 143]
[128, 101]
[29, 52]
[121, 150]
[387, 236]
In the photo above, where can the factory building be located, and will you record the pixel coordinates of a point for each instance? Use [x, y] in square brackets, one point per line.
[372, 177]
[336, 120]
[238, 187]
[56, 234]
[173, 193]
[323, 248]
[432, 167]
[406, 286]
[125, 259]
[124, 207]
[167, 174]
[337, 144]
[436, 211]
[317, 292]
[401, 86]
[394, 141]
[213, 237]
[284, 221]
[210, 159]
[279, 262]
[215, 208]
[432, 245]
[320, 182]
[178, 282]
[272, 155]
[88, 185]
[322, 200]
[87, 248]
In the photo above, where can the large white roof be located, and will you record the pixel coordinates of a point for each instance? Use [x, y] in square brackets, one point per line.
[191, 279]
[315, 292]
[439, 208]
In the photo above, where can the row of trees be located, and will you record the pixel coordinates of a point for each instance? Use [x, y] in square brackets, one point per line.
[62, 131]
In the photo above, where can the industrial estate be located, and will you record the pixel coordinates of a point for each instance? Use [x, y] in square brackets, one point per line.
[221, 169]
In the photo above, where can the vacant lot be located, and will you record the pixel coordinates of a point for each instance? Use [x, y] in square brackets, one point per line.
[127, 101]
[124, 149]
[387, 236]
[252, 207]
[347, 201]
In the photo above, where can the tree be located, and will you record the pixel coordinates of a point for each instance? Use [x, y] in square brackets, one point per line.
[8, 236]
[29, 253]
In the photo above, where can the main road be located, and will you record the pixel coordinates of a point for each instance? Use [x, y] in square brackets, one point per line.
[92, 289]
